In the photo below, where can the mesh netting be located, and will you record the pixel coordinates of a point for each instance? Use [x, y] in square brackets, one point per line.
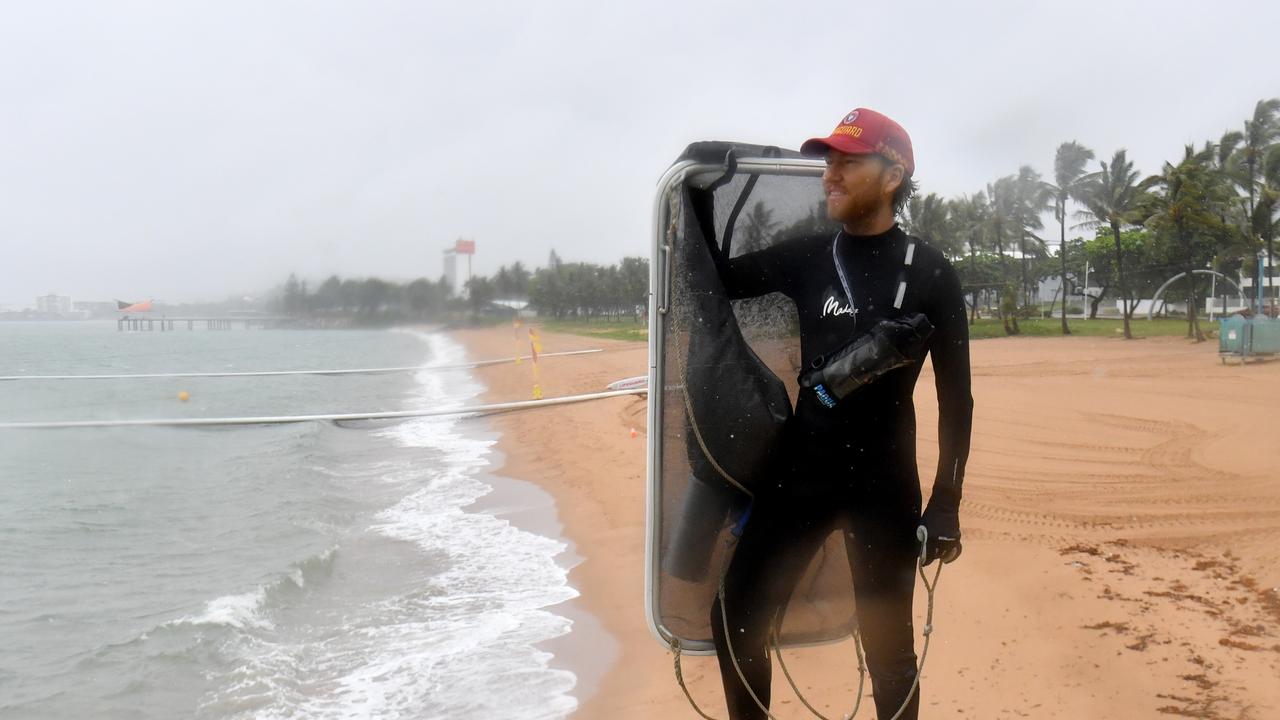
[730, 383]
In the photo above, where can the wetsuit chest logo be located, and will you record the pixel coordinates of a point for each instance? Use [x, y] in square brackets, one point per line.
[832, 307]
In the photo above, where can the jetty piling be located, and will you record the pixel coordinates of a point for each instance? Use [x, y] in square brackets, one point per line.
[165, 324]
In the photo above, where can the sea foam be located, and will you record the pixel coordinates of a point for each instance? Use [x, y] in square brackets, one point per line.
[461, 639]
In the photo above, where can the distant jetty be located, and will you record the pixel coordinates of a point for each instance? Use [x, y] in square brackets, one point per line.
[230, 322]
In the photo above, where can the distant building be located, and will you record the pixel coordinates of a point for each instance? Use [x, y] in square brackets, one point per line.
[1048, 289]
[1269, 281]
[1225, 305]
[457, 272]
[519, 307]
[451, 272]
[52, 304]
[1163, 307]
[95, 308]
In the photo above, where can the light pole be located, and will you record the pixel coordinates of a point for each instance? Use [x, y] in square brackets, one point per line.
[1085, 294]
[1213, 291]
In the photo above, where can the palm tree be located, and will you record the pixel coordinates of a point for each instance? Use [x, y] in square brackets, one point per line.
[1183, 200]
[520, 280]
[928, 218]
[1226, 163]
[502, 282]
[1002, 207]
[969, 222]
[1264, 221]
[760, 228]
[1260, 132]
[1113, 197]
[1030, 200]
[1068, 169]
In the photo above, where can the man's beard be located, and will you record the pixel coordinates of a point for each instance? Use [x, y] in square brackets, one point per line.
[861, 207]
[858, 209]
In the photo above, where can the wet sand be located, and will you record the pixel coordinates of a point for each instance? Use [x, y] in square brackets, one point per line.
[1121, 523]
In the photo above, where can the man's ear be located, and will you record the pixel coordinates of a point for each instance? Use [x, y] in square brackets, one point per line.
[895, 175]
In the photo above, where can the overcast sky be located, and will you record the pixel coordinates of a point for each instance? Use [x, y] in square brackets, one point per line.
[191, 150]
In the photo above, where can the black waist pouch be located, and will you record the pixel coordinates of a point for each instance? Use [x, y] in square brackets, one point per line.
[890, 344]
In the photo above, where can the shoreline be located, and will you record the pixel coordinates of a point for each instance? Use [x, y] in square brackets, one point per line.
[529, 507]
[584, 457]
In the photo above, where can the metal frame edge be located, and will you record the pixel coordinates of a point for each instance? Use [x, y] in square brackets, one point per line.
[659, 295]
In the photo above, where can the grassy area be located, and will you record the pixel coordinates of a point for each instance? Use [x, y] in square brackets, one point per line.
[1102, 327]
[985, 328]
[624, 330]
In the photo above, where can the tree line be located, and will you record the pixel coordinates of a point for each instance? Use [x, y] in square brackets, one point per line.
[560, 290]
[572, 289]
[1215, 204]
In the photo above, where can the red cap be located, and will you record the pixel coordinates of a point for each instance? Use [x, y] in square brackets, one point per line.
[866, 131]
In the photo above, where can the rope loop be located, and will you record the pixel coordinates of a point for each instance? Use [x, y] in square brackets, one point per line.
[675, 650]
[930, 588]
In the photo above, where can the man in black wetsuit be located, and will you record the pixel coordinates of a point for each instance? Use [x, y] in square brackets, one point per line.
[853, 466]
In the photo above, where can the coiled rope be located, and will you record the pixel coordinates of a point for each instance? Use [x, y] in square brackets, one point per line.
[931, 589]
[862, 672]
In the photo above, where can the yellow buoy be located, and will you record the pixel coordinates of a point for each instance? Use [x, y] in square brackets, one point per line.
[184, 396]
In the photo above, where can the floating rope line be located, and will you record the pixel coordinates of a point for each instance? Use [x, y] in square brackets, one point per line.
[263, 373]
[337, 417]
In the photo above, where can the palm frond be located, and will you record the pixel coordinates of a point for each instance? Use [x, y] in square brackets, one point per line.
[1271, 166]
[1069, 163]
[1088, 222]
[1227, 146]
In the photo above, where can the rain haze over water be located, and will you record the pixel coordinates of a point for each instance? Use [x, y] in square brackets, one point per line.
[311, 570]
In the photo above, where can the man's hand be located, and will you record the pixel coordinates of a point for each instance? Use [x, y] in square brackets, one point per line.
[941, 528]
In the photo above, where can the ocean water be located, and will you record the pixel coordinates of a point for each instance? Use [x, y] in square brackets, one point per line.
[291, 571]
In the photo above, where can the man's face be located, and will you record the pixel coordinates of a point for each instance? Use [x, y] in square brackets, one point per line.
[858, 186]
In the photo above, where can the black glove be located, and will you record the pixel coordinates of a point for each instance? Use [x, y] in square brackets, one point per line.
[940, 525]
